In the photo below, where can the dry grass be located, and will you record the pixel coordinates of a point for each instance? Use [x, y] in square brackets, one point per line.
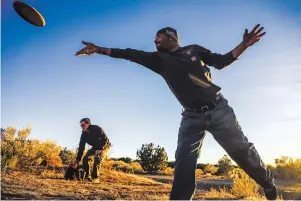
[49, 185]
[113, 185]
[214, 194]
[291, 186]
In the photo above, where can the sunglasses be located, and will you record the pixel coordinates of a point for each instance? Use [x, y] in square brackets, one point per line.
[82, 125]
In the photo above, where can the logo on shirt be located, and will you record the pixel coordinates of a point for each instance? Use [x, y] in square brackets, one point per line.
[193, 58]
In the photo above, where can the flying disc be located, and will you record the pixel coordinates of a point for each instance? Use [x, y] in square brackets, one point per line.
[29, 14]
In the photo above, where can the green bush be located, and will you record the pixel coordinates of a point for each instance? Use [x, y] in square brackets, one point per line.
[152, 159]
[224, 166]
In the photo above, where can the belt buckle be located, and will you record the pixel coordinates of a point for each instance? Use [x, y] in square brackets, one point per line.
[206, 106]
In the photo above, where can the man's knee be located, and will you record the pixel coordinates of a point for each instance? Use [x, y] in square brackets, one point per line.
[87, 160]
[97, 159]
[187, 151]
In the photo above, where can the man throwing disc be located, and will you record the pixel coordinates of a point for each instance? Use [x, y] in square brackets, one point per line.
[204, 108]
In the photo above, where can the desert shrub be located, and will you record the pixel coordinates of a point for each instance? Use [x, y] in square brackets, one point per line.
[133, 168]
[171, 164]
[243, 185]
[136, 168]
[167, 171]
[211, 169]
[19, 152]
[7, 154]
[125, 159]
[224, 165]
[201, 166]
[199, 173]
[288, 169]
[152, 159]
[170, 171]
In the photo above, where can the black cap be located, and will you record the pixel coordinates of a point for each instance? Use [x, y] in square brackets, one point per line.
[171, 32]
[86, 120]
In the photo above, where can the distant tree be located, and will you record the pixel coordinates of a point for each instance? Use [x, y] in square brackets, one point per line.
[171, 164]
[126, 159]
[201, 166]
[152, 159]
[283, 160]
[3, 134]
[287, 168]
[224, 165]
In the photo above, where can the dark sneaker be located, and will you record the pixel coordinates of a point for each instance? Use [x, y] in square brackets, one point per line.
[271, 193]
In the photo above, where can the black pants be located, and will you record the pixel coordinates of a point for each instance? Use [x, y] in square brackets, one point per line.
[222, 124]
[91, 164]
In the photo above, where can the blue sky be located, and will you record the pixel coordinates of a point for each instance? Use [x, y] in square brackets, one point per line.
[45, 85]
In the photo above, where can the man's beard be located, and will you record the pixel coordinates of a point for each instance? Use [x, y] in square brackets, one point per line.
[162, 49]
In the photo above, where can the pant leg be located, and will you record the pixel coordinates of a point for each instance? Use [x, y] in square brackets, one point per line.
[87, 162]
[227, 132]
[98, 160]
[190, 139]
[96, 167]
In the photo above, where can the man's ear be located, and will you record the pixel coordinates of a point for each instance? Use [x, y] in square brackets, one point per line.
[173, 42]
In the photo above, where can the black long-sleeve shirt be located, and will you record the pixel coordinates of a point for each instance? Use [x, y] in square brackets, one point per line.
[185, 71]
[94, 136]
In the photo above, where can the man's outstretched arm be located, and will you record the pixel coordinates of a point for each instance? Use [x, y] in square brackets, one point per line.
[150, 60]
[221, 61]
[81, 148]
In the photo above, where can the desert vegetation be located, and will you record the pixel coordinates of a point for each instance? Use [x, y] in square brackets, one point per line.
[34, 169]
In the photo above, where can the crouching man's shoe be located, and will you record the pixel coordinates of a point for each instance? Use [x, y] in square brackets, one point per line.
[89, 179]
[95, 180]
[271, 193]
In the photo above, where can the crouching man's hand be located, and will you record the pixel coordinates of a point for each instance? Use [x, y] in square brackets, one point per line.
[97, 152]
[75, 164]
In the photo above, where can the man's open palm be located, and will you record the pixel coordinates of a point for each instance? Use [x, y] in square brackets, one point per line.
[254, 36]
[88, 50]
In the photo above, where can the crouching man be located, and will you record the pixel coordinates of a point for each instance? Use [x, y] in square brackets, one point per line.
[96, 137]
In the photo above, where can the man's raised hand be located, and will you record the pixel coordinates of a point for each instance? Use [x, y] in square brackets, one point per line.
[250, 38]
